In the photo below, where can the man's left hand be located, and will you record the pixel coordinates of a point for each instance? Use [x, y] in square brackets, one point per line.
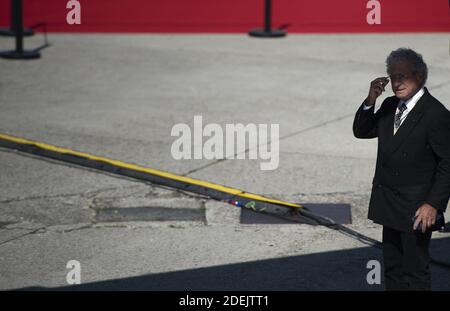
[427, 215]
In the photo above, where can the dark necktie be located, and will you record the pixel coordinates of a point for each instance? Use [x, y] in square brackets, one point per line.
[398, 116]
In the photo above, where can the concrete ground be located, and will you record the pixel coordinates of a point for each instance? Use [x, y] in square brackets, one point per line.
[120, 95]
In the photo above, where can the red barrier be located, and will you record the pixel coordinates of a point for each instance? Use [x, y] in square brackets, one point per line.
[236, 16]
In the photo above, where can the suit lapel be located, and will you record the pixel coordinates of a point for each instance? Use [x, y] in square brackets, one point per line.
[407, 126]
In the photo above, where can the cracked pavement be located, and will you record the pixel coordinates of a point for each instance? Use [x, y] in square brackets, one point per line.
[133, 235]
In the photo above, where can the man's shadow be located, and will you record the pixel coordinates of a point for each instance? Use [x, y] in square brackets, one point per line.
[335, 270]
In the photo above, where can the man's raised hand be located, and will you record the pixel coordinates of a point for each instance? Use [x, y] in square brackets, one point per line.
[377, 87]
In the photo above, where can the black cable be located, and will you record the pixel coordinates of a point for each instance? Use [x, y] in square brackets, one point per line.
[46, 43]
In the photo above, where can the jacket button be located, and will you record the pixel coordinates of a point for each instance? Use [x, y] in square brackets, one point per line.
[405, 154]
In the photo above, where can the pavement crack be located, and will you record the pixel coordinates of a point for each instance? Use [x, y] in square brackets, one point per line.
[327, 155]
[350, 192]
[87, 195]
[38, 197]
[35, 231]
[316, 126]
[88, 226]
[280, 139]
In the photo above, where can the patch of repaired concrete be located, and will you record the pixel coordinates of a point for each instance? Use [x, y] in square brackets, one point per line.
[150, 213]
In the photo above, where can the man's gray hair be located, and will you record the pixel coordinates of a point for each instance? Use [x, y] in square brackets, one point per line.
[412, 57]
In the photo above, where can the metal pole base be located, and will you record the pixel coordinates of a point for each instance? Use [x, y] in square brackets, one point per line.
[7, 32]
[26, 54]
[262, 33]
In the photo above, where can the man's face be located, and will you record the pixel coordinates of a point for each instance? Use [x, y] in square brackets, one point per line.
[405, 83]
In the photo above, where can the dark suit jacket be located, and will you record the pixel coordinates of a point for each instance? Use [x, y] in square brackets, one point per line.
[413, 166]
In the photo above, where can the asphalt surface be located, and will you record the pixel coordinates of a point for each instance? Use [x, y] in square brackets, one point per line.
[119, 96]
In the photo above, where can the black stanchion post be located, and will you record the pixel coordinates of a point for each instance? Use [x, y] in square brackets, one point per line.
[10, 32]
[267, 32]
[19, 52]
[268, 16]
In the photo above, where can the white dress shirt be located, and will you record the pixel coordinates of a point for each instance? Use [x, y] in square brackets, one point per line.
[410, 103]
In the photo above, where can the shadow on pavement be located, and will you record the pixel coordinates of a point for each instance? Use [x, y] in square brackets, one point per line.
[336, 270]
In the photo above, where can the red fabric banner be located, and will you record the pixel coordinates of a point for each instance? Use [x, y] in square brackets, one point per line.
[237, 16]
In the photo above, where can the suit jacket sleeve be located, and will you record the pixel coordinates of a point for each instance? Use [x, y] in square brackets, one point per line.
[439, 140]
[365, 124]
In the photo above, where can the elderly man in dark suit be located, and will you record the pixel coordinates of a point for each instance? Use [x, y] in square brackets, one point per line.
[412, 177]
